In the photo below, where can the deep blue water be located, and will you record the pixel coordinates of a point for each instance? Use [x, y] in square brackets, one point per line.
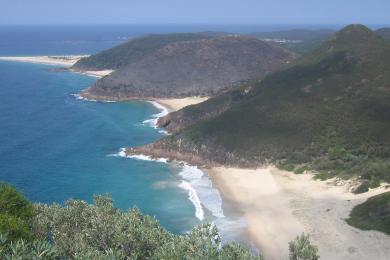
[54, 147]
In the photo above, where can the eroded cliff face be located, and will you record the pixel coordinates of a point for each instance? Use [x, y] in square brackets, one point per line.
[202, 154]
[204, 67]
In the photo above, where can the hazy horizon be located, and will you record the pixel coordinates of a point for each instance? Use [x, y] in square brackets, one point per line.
[90, 12]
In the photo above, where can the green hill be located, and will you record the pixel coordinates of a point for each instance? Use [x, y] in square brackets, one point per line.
[205, 67]
[329, 112]
[132, 51]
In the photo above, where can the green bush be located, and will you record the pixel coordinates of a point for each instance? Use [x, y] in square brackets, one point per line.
[14, 228]
[13, 203]
[373, 214]
[16, 213]
[301, 169]
[301, 249]
[363, 187]
[100, 231]
[22, 249]
[83, 231]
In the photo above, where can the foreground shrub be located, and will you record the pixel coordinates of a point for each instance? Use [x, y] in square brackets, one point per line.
[100, 231]
[16, 214]
[79, 227]
[22, 249]
[301, 249]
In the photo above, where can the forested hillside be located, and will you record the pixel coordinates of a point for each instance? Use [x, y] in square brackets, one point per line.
[329, 111]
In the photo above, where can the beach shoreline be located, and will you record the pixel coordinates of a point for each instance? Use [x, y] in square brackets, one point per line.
[174, 104]
[65, 61]
[171, 104]
[279, 205]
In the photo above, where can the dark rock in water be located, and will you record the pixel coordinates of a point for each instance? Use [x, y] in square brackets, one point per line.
[203, 67]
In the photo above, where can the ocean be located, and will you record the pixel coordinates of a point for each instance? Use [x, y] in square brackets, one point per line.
[54, 146]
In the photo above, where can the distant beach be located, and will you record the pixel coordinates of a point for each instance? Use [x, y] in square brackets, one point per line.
[64, 61]
[171, 104]
[174, 104]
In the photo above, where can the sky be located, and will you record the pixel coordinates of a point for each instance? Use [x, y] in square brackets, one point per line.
[194, 11]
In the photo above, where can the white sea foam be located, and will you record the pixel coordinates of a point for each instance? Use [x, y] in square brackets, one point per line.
[142, 157]
[153, 121]
[193, 197]
[203, 190]
[121, 153]
[200, 189]
[202, 195]
[79, 97]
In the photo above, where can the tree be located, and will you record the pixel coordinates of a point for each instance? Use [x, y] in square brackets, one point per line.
[16, 214]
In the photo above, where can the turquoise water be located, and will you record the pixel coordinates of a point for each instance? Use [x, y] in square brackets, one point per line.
[54, 147]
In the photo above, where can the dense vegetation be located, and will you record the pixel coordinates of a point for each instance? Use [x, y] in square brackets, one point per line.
[384, 33]
[16, 213]
[297, 40]
[129, 52]
[79, 230]
[374, 214]
[328, 112]
[205, 67]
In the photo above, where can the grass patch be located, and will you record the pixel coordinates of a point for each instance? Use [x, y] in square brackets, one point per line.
[374, 214]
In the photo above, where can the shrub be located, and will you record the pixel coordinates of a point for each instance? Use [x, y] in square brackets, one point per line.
[373, 214]
[16, 213]
[301, 249]
[301, 169]
[363, 187]
[14, 228]
[22, 249]
[13, 203]
[100, 231]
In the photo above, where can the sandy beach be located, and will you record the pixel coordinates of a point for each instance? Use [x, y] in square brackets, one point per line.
[279, 205]
[63, 61]
[94, 73]
[174, 104]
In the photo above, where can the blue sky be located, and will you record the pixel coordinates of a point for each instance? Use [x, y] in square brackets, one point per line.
[194, 11]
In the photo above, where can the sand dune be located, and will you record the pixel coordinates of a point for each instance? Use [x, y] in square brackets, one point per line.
[279, 205]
